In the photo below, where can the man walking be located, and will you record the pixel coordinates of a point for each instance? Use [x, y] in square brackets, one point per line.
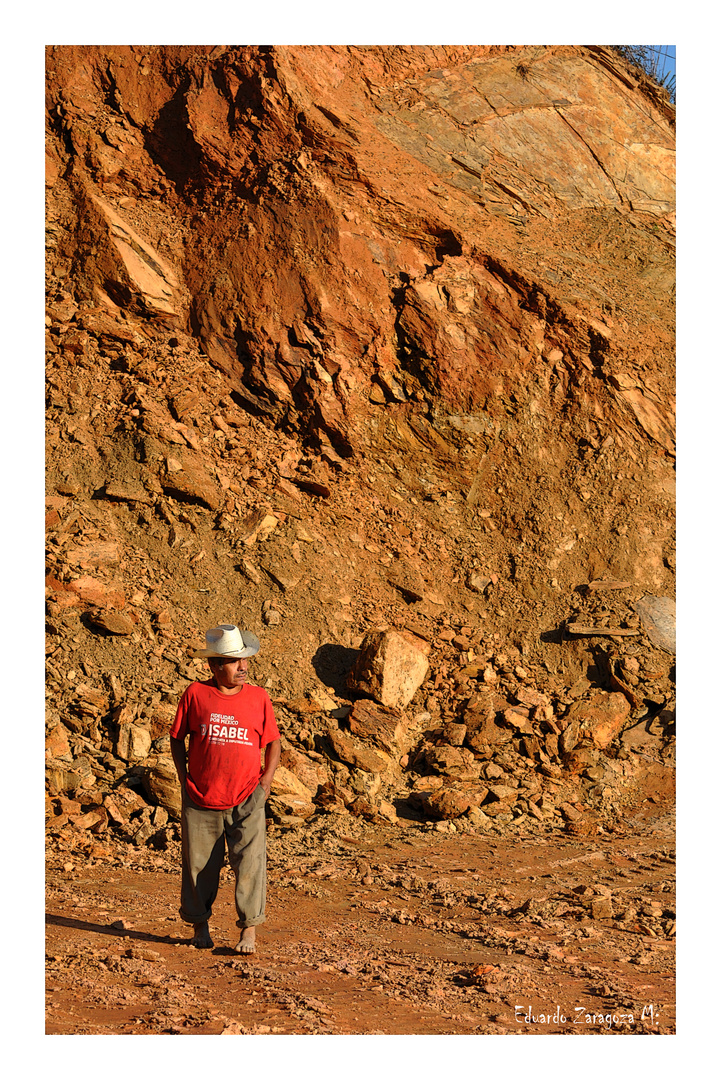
[227, 721]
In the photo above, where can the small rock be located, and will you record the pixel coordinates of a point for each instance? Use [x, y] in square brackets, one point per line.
[518, 720]
[56, 742]
[251, 571]
[312, 485]
[131, 491]
[358, 756]
[310, 773]
[192, 484]
[362, 807]
[136, 952]
[479, 716]
[94, 553]
[287, 783]
[584, 890]
[569, 736]
[601, 907]
[550, 743]
[383, 727]
[184, 402]
[332, 797]
[92, 591]
[452, 761]
[491, 771]
[454, 734]
[447, 803]
[286, 577]
[601, 715]
[387, 810]
[582, 759]
[526, 695]
[477, 583]
[501, 793]
[160, 780]
[143, 834]
[407, 579]
[111, 622]
[285, 808]
[133, 743]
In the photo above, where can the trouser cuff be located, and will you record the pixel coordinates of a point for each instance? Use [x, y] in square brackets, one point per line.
[250, 922]
[194, 918]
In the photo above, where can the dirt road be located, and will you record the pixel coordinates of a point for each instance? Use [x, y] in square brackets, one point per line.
[370, 931]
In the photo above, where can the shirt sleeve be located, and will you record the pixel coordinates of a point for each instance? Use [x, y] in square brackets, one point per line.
[179, 730]
[270, 729]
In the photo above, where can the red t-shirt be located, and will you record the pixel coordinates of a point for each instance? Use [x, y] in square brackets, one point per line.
[226, 733]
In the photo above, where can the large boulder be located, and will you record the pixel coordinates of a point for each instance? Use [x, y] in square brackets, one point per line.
[390, 668]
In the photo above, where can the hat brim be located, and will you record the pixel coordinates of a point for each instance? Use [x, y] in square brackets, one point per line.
[251, 650]
[252, 646]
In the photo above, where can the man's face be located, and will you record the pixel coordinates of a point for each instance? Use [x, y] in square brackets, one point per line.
[229, 674]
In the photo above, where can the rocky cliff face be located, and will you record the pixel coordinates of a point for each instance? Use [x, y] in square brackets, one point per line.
[344, 339]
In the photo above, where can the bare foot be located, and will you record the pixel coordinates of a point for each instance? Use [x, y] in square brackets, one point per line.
[201, 938]
[247, 941]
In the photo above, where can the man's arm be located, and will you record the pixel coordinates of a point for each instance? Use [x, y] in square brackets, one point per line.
[272, 757]
[177, 750]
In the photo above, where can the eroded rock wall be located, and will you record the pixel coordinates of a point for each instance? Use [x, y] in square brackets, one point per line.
[349, 338]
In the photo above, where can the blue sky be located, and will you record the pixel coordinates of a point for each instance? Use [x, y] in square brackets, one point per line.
[668, 63]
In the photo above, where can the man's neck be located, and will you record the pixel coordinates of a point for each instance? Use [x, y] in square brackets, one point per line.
[225, 690]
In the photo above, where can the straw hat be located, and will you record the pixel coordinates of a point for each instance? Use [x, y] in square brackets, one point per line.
[229, 642]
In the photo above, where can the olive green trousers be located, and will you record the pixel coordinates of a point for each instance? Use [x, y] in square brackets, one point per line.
[205, 835]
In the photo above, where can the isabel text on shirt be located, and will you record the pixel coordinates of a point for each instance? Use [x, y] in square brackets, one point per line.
[222, 728]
